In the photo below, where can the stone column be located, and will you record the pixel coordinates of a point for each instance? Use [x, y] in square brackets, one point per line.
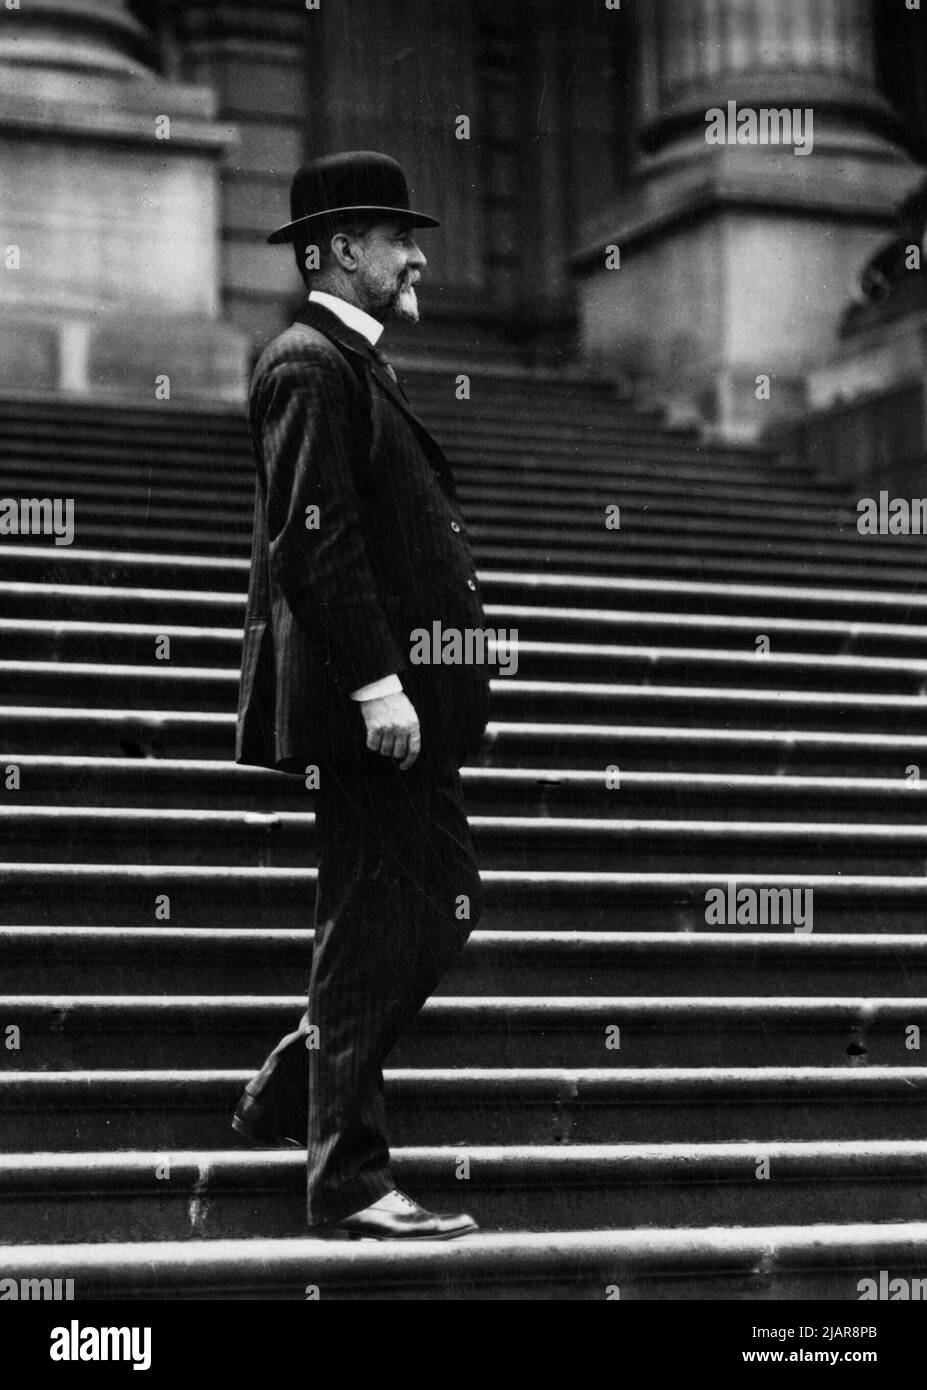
[108, 229]
[261, 59]
[83, 35]
[738, 258]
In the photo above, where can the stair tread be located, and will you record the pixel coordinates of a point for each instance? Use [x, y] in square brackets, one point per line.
[509, 777]
[588, 584]
[854, 1242]
[828, 1160]
[504, 1007]
[505, 1079]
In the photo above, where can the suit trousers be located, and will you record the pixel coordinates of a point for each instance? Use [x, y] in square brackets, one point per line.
[398, 894]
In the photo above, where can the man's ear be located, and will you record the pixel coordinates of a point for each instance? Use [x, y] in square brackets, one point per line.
[343, 251]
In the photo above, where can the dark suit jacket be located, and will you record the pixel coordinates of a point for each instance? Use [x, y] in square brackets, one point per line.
[331, 607]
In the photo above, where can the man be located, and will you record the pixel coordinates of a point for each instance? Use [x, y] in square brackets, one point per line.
[357, 541]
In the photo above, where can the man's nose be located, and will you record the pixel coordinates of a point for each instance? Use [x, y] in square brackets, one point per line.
[416, 257]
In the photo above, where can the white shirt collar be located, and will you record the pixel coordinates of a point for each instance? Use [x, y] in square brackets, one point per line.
[349, 314]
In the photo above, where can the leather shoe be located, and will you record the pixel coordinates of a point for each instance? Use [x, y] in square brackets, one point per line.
[252, 1123]
[396, 1217]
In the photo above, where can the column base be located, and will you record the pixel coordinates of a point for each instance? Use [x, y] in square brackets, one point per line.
[110, 239]
[116, 356]
[735, 267]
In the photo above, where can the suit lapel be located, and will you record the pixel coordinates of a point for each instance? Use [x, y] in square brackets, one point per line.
[318, 317]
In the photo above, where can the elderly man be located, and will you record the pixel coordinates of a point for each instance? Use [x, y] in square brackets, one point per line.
[357, 541]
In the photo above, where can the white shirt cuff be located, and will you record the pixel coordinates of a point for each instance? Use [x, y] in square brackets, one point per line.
[388, 685]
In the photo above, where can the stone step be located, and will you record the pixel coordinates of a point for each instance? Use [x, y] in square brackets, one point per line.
[479, 483]
[62, 567]
[68, 1110]
[220, 1195]
[284, 839]
[516, 899]
[790, 1262]
[165, 733]
[602, 443]
[207, 689]
[652, 559]
[214, 621]
[502, 391]
[620, 454]
[711, 563]
[221, 518]
[824, 559]
[45, 641]
[63, 1031]
[68, 569]
[698, 597]
[49, 780]
[244, 959]
[542, 606]
[493, 405]
[694, 630]
[487, 452]
[490, 489]
[641, 531]
[567, 383]
[222, 515]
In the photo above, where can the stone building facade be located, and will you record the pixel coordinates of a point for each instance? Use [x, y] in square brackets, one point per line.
[585, 216]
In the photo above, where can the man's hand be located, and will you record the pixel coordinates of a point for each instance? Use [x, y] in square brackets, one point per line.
[393, 728]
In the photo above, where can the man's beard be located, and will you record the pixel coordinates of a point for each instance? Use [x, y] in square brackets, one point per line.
[401, 303]
[405, 305]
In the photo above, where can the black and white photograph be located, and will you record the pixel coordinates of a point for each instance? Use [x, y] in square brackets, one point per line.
[463, 665]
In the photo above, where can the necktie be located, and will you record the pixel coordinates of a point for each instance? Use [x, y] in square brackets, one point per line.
[386, 365]
[390, 370]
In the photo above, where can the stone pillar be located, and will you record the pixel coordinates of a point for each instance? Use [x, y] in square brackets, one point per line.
[83, 35]
[108, 229]
[737, 259]
[261, 60]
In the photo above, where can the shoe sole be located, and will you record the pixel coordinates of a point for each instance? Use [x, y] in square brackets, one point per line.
[408, 1240]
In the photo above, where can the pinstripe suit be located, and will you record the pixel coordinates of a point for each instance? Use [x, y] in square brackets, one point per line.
[330, 609]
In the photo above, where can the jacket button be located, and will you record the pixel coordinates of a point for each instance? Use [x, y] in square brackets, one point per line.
[471, 585]
[454, 526]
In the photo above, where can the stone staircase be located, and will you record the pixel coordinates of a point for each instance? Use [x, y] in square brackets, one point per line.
[760, 1131]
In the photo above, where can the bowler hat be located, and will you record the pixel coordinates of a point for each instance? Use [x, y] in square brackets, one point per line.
[356, 181]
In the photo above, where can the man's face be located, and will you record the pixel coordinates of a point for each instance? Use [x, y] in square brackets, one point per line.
[390, 265]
